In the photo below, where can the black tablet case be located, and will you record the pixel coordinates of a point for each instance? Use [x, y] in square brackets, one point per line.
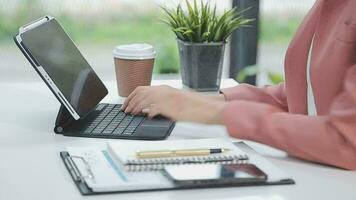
[85, 190]
[64, 118]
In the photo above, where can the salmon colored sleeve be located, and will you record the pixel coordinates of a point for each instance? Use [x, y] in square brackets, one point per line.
[329, 139]
[274, 95]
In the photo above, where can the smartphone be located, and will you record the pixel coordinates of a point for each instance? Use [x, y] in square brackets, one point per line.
[214, 174]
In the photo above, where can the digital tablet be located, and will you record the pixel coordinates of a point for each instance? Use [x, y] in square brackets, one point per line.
[61, 65]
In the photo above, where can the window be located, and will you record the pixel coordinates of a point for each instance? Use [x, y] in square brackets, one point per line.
[96, 26]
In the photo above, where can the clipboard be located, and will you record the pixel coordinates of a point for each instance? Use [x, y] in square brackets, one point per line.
[79, 178]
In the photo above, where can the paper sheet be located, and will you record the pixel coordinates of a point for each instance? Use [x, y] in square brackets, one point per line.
[108, 176]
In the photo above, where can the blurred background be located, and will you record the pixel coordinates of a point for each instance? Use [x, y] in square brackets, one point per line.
[97, 26]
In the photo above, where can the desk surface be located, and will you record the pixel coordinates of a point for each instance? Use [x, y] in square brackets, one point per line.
[31, 168]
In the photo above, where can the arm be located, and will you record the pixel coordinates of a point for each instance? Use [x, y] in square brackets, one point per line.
[273, 95]
[329, 139]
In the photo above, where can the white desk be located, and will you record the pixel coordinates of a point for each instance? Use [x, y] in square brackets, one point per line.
[30, 166]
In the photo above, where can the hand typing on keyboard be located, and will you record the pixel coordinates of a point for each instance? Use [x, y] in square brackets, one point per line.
[175, 104]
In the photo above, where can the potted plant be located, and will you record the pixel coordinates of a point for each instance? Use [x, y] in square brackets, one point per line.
[202, 35]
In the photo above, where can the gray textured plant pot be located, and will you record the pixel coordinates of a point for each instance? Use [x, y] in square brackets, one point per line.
[201, 64]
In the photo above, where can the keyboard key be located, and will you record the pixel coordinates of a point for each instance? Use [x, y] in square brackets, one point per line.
[129, 129]
[127, 133]
[107, 131]
[136, 121]
[97, 131]
[118, 131]
[88, 130]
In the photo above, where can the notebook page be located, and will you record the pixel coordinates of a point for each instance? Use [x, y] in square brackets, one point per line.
[126, 150]
[110, 177]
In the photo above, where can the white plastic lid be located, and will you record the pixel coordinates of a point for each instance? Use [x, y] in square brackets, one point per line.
[134, 51]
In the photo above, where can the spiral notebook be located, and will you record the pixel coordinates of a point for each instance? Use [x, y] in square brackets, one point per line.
[125, 153]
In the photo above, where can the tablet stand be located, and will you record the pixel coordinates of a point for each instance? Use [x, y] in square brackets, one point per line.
[63, 119]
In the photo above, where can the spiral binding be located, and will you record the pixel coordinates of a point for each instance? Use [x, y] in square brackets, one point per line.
[157, 164]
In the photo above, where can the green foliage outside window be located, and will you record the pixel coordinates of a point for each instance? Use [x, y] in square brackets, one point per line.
[136, 28]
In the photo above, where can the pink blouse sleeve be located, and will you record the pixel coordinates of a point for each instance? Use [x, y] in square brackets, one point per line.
[329, 139]
[273, 95]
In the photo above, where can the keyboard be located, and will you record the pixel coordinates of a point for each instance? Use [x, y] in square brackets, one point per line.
[113, 121]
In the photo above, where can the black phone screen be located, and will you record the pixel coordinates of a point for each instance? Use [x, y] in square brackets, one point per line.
[215, 173]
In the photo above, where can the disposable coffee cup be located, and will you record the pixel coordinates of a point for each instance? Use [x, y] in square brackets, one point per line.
[133, 66]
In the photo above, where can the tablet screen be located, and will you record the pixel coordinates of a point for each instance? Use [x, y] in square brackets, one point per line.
[57, 54]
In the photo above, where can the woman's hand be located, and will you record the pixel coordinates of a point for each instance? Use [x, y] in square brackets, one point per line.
[175, 104]
[143, 97]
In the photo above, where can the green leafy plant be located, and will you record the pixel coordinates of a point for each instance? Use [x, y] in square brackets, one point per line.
[201, 23]
[274, 77]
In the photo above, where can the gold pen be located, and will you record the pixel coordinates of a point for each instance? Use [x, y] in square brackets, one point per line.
[178, 153]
